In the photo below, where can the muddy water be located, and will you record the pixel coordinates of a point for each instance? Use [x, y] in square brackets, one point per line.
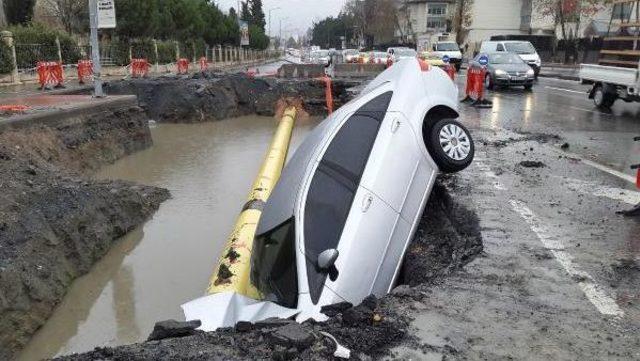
[147, 275]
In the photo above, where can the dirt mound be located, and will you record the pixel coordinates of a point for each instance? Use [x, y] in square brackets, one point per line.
[179, 100]
[54, 223]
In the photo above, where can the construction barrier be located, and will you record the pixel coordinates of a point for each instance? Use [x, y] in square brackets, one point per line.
[232, 271]
[451, 71]
[183, 66]
[50, 74]
[328, 93]
[10, 109]
[85, 70]
[474, 90]
[139, 68]
[204, 65]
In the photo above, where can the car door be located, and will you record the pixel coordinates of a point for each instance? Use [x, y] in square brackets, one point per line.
[340, 214]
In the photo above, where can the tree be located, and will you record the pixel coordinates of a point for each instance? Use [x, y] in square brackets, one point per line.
[568, 15]
[328, 32]
[19, 11]
[292, 43]
[245, 14]
[257, 14]
[72, 14]
[130, 14]
[462, 20]
[375, 20]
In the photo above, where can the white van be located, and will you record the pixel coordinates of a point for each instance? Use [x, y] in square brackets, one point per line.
[524, 49]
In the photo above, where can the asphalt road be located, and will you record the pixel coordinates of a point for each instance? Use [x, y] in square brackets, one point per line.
[559, 278]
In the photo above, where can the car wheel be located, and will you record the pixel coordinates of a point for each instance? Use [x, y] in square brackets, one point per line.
[602, 99]
[451, 146]
[528, 87]
[488, 82]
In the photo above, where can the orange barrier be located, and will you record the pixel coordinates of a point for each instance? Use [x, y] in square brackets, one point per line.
[451, 70]
[328, 93]
[474, 90]
[13, 108]
[85, 70]
[139, 68]
[183, 66]
[50, 74]
[204, 65]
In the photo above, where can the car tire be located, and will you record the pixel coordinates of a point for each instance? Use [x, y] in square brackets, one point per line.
[603, 99]
[528, 87]
[451, 146]
[488, 82]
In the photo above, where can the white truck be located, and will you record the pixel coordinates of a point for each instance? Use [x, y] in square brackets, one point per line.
[611, 83]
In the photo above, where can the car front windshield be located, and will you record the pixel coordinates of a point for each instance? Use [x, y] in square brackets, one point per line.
[506, 58]
[273, 265]
[320, 54]
[524, 47]
[447, 47]
[379, 55]
[350, 52]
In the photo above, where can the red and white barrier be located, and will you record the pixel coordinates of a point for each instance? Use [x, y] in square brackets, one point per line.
[139, 68]
[204, 65]
[474, 90]
[450, 69]
[183, 66]
[50, 74]
[85, 70]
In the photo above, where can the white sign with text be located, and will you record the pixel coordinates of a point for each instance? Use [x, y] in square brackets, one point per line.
[106, 14]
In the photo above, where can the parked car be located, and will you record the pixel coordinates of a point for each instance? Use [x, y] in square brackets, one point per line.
[506, 69]
[320, 56]
[363, 58]
[432, 59]
[378, 57]
[350, 55]
[449, 49]
[524, 49]
[402, 53]
[340, 219]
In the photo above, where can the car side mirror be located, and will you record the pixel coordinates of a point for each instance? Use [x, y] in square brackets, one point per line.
[327, 259]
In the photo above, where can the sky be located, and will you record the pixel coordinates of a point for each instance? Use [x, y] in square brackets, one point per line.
[296, 15]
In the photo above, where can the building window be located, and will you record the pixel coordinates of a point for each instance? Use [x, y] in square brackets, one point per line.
[437, 9]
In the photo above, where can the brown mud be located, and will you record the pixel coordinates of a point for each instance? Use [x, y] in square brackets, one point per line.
[55, 222]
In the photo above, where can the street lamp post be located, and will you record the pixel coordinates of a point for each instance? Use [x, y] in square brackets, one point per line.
[270, 10]
[280, 36]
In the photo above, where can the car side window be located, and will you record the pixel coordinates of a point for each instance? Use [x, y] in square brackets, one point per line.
[335, 183]
[500, 47]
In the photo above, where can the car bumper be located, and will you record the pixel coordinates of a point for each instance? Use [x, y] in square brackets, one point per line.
[536, 68]
[513, 81]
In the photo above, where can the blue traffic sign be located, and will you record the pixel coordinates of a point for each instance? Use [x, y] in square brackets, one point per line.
[483, 60]
[446, 58]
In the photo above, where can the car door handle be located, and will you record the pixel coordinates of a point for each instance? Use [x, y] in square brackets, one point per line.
[367, 202]
[395, 125]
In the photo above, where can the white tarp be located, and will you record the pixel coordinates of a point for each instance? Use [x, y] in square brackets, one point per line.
[226, 309]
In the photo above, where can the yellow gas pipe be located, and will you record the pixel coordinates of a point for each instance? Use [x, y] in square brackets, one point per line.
[232, 272]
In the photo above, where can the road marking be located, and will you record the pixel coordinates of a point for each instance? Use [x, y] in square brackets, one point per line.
[596, 295]
[556, 245]
[598, 190]
[598, 166]
[566, 90]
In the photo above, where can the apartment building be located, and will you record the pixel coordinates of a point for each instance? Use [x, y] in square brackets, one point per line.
[421, 20]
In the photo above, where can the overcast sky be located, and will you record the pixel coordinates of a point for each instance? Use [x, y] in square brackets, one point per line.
[299, 14]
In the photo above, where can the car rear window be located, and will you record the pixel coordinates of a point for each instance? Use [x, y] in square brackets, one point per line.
[335, 183]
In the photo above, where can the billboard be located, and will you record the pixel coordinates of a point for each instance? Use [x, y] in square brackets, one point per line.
[106, 14]
[244, 32]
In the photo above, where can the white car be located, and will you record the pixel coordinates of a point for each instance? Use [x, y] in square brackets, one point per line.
[525, 50]
[398, 54]
[320, 57]
[451, 50]
[341, 217]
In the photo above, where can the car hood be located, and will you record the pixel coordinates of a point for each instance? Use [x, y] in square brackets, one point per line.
[228, 308]
[511, 67]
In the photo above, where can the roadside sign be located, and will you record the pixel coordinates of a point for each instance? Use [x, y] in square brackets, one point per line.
[244, 33]
[483, 60]
[446, 59]
[106, 14]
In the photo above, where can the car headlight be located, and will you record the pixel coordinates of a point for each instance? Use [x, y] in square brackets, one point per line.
[500, 72]
[530, 72]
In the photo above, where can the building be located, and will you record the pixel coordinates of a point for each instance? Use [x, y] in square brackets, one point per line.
[422, 20]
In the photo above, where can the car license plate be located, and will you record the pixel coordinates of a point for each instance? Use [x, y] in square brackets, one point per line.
[517, 78]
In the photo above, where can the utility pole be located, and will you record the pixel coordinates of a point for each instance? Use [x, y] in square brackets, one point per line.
[95, 50]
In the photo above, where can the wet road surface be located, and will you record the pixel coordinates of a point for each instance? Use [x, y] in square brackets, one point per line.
[560, 275]
[209, 169]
